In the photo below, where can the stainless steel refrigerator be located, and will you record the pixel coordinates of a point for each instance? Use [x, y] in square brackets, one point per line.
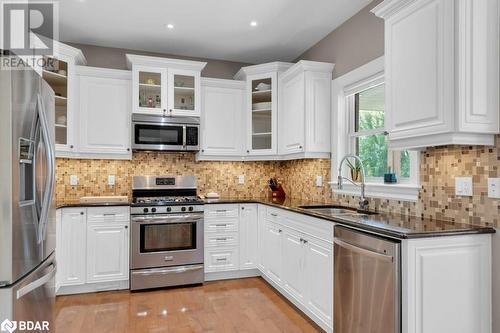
[27, 211]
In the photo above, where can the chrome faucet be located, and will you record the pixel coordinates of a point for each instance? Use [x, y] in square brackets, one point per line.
[363, 201]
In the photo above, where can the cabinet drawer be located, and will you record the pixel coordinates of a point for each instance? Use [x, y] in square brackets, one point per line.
[215, 212]
[221, 239]
[221, 226]
[108, 214]
[217, 260]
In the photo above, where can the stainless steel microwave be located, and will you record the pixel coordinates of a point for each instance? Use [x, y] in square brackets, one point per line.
[150, 132]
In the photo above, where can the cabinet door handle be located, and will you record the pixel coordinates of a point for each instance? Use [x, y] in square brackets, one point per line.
[248, 151]
[300, 147]
[221, 259]
[109, 214]
[221, 239]
[274, 214]
[221, 225]
[82, 213]
[221, 210]
[280, 231]
[126, 227]
[128, 149]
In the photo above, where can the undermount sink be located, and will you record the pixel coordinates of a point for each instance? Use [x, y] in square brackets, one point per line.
[336, 210]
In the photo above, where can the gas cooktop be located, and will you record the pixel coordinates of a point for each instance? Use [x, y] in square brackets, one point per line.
[166, 201]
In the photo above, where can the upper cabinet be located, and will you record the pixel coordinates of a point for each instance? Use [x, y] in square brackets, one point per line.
[222, 126]
[104, 97]
[304, 110]
[262, 106]
[162, 86]
[59, 72]
[441, 71]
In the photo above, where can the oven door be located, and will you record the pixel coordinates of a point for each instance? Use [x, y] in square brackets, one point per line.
[158, 136]
[167, 240]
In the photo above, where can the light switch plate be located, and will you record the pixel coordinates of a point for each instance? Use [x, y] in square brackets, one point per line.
[111, 180]
[463, 186]
[494, 188]
[73, 180]
[319, 181]
[241, 179]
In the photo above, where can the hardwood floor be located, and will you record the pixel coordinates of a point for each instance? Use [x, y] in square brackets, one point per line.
[243, 305]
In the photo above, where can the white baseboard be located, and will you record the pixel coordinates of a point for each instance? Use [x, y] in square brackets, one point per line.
[93, 287]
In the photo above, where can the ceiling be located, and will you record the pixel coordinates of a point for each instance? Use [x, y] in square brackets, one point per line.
[215, 29]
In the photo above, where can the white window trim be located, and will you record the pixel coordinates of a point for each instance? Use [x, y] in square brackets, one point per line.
[364, 77]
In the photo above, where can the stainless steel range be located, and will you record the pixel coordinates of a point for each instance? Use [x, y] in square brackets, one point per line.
[167, 232]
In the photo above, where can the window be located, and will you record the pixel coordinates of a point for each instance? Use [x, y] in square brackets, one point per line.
[368, 138]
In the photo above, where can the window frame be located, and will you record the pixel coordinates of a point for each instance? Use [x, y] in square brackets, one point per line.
[343, 140]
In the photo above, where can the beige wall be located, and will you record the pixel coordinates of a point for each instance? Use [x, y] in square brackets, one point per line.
[356, 42]
[110, 57]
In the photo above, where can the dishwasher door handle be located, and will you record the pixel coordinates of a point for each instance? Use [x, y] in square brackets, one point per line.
[362, 251]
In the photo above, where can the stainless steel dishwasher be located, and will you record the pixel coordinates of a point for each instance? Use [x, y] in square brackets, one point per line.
[367, 296]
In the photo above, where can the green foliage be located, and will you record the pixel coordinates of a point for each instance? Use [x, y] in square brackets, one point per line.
[372, 149]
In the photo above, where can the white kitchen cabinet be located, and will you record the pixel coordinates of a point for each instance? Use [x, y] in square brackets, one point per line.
[104, 113]
[304, 110]
[71, 244]
[222, 119]
[273, 259]
[261, 116]
[446, 284]
[319, 278]
[441, 72]
[261, 223]
[107, 252]
[294, 261]
[60, 73]
[249, 252]
[92, 249]
[163, 86]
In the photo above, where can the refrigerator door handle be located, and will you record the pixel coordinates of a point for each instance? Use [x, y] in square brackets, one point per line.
[49, 185]
[37, 283]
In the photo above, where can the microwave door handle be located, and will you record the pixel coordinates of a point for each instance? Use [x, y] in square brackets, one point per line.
[184, 136]
[49, 184]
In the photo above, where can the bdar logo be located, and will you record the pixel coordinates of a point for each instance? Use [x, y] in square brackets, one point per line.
[8, 326]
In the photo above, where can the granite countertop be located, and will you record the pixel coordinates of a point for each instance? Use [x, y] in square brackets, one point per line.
[82, 204]
[391, 225]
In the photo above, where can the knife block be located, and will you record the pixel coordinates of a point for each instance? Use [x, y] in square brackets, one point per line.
[279, 193]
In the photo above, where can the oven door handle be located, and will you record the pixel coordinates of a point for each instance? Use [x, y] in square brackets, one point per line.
[167, 219]
[165, 271]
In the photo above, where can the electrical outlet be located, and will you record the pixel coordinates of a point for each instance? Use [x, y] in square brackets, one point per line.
[111, 180]
[319, 181]
[463, 186]
[241, 179]
[494, 188]
[73, 180]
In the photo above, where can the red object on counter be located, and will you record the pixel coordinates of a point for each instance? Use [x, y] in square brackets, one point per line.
[279, 193]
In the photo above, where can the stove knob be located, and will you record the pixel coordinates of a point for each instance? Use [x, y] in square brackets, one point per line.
[169, 209]
[145, 210]
[153, 210]
[191, 208]
[183, 209]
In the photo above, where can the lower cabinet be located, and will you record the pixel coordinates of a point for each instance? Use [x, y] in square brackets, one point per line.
[71, 244]
[92, 249]
[272, 251]
[249, 251]
[111, 240]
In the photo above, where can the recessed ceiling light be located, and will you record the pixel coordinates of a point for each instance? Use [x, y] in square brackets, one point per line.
[170, 26]
[253, 23]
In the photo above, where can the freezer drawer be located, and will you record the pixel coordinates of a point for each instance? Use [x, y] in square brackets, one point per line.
[366, 283]
[33, 297]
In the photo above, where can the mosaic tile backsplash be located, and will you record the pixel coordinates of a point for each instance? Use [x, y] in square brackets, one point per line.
[438, 168]
[298, 177]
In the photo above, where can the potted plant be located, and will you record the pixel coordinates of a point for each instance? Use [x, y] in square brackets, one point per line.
[355, 170]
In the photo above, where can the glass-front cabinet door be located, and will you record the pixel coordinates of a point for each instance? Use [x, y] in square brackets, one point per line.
[184, 92]
[262, 112]
[150, 90]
